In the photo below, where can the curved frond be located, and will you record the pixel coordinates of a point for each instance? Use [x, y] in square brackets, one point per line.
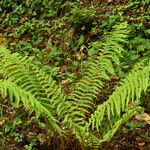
[124, 96]
[23, 73]
[99, 68]
[18, 96]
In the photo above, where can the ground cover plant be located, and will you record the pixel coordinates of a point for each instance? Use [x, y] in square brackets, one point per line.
[73, 73]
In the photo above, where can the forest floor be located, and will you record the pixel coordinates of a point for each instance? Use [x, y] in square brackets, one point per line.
[16, 134]
[134, 135]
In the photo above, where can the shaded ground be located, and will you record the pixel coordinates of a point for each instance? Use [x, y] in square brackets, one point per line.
[125, 139]
[15, 133]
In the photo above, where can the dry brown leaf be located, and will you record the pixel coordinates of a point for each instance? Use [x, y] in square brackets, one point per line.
[141, 144]
[64, 82]
[109, 1]
[143, 117]
[138, 138]
[2, 122]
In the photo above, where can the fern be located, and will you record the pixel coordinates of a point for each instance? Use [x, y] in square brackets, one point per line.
[24, 83]
[19, 73]
[17, 95]
[129, 91]
[111, 111]
[125, 95]
[118, 123]
[99, 69]
[120, 106]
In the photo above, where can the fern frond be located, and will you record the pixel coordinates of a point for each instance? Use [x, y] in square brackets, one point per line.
[99, 69]
[16, 68]
[26, 75]
[127, 93]
[18, 95]
[119, 122]
[23, 73]
[51, 93]
[89, 138]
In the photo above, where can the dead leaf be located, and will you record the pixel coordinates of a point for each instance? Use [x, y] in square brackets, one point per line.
[138, 139]
[141, 144]
[64, 82]
[143, 117]
[2, 122]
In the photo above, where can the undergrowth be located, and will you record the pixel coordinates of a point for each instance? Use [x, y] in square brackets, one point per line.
[59, 58]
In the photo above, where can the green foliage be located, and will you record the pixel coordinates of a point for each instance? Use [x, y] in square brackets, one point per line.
[98, 69]
[44, 34]
[30, 22]
[128, 93]
[81, 16]
[25, 84]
